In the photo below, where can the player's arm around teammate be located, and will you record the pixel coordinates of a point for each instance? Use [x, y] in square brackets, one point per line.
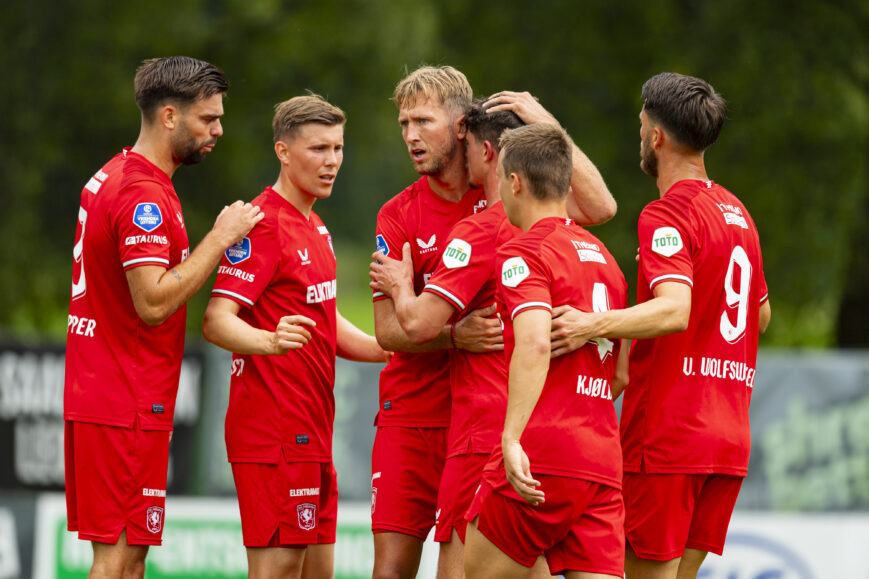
[590, 201]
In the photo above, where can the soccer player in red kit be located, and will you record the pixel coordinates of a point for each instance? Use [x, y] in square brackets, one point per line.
[464, 281]
[702, 301]
[273, 305]
[560, 422]
[132, 276]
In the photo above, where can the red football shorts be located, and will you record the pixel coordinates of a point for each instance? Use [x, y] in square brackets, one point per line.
[459, 482]
[406, 467]
[115, 480]
[289, 504]
[580, 526]
[668, 513]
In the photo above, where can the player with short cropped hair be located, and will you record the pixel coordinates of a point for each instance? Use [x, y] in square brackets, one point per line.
[560, 434]
[132, 276]
[465, 281]
[702, 302]
[273, 305]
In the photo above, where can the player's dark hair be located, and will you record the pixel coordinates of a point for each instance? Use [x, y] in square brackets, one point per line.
[489, 126]
[687, 107]
[178, 79]
[542, 153]
[312, 108]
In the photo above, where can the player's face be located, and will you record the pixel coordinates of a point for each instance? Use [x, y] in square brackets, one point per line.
[315, 154]
[198, 129]
[476, 166]
[648, 158]
[428, 130]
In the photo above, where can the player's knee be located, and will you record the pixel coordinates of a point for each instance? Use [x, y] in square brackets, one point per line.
[393, 571]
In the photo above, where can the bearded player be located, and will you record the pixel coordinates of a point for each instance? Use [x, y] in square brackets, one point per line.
[702, 302]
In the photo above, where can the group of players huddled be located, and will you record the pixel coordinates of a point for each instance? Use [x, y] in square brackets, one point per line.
[503, 324]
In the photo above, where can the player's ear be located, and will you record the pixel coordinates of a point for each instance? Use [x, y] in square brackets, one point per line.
[168, 115]
[516, 183]
[658, 137]
[489, 152]
[460, 127]
[282, 152]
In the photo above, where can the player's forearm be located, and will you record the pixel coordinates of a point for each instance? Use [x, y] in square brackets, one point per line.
[393, 338]
[659, 316]
[528, 368]
[590, 202]
[230, 332]
[419, 324]
[354, 344]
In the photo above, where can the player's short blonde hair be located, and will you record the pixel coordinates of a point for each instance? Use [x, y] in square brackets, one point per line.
[444, 83]
[543, 155]
[292, 114]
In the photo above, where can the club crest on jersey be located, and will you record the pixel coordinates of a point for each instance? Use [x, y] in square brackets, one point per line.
[382, 246]
[667, 241]
[457, 254]
[147, 216]
[154, 519]
[307, 515]
[238, 252]
[514, 271]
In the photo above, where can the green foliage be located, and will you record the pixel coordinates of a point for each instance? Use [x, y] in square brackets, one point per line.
[796, 76]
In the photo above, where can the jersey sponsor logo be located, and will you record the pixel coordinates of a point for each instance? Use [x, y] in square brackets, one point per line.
[312, 492]
[307, 516]
[185, 253]
[480, 206]
[457, 254]
[382, 246]
[235, 272]
[734, 219]
[137, 239]
[322, 292]
[80, 326]
[153, 492]
[303, 256]
[154, 519]
[594, 387]
[588, 251]
[147, 216]
[239, 252]
[427, 246]
[667, 241]
[514, 271]
[322, 230]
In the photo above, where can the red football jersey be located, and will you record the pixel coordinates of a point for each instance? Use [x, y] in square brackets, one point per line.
[686, 408]
[465, 278]
[284, 266]
[414, 388]
[119, 370]
[573, 430]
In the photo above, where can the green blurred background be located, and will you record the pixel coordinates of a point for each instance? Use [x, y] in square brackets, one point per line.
[795, 150]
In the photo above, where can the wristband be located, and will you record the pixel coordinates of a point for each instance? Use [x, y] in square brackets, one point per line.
[453, 335]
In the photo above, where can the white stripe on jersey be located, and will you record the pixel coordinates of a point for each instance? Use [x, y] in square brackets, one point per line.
[146, 260]
[671, 276]
[527, 305]
[446, 294]
[232, 294]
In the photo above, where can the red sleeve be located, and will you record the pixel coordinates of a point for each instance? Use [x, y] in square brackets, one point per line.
[390, 236]
[141, 222]
[247, 267]
[525, 281]
[466, 264]
[665, 246]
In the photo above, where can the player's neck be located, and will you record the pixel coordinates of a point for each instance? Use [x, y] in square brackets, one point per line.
[452, 182]
[539, 210]
[304, 203]
[490, 187]
[677, 168]
[157, 152]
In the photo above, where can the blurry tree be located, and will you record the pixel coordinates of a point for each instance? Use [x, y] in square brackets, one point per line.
[796, 148]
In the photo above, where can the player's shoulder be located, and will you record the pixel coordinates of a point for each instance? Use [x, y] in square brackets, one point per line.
[400, 203]
[138, 172]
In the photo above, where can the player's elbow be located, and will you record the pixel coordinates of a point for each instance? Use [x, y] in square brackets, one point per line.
[208, 328]
[605, 211]
[153, 315]
[764, 317]
[679, 318]
[419, 332]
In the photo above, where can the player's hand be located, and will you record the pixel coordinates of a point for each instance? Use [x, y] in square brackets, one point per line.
[571, 329]
[387, 274]
[291, 334]
[518, 469]
[524, 104]
[479, 331]
[235, 221]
